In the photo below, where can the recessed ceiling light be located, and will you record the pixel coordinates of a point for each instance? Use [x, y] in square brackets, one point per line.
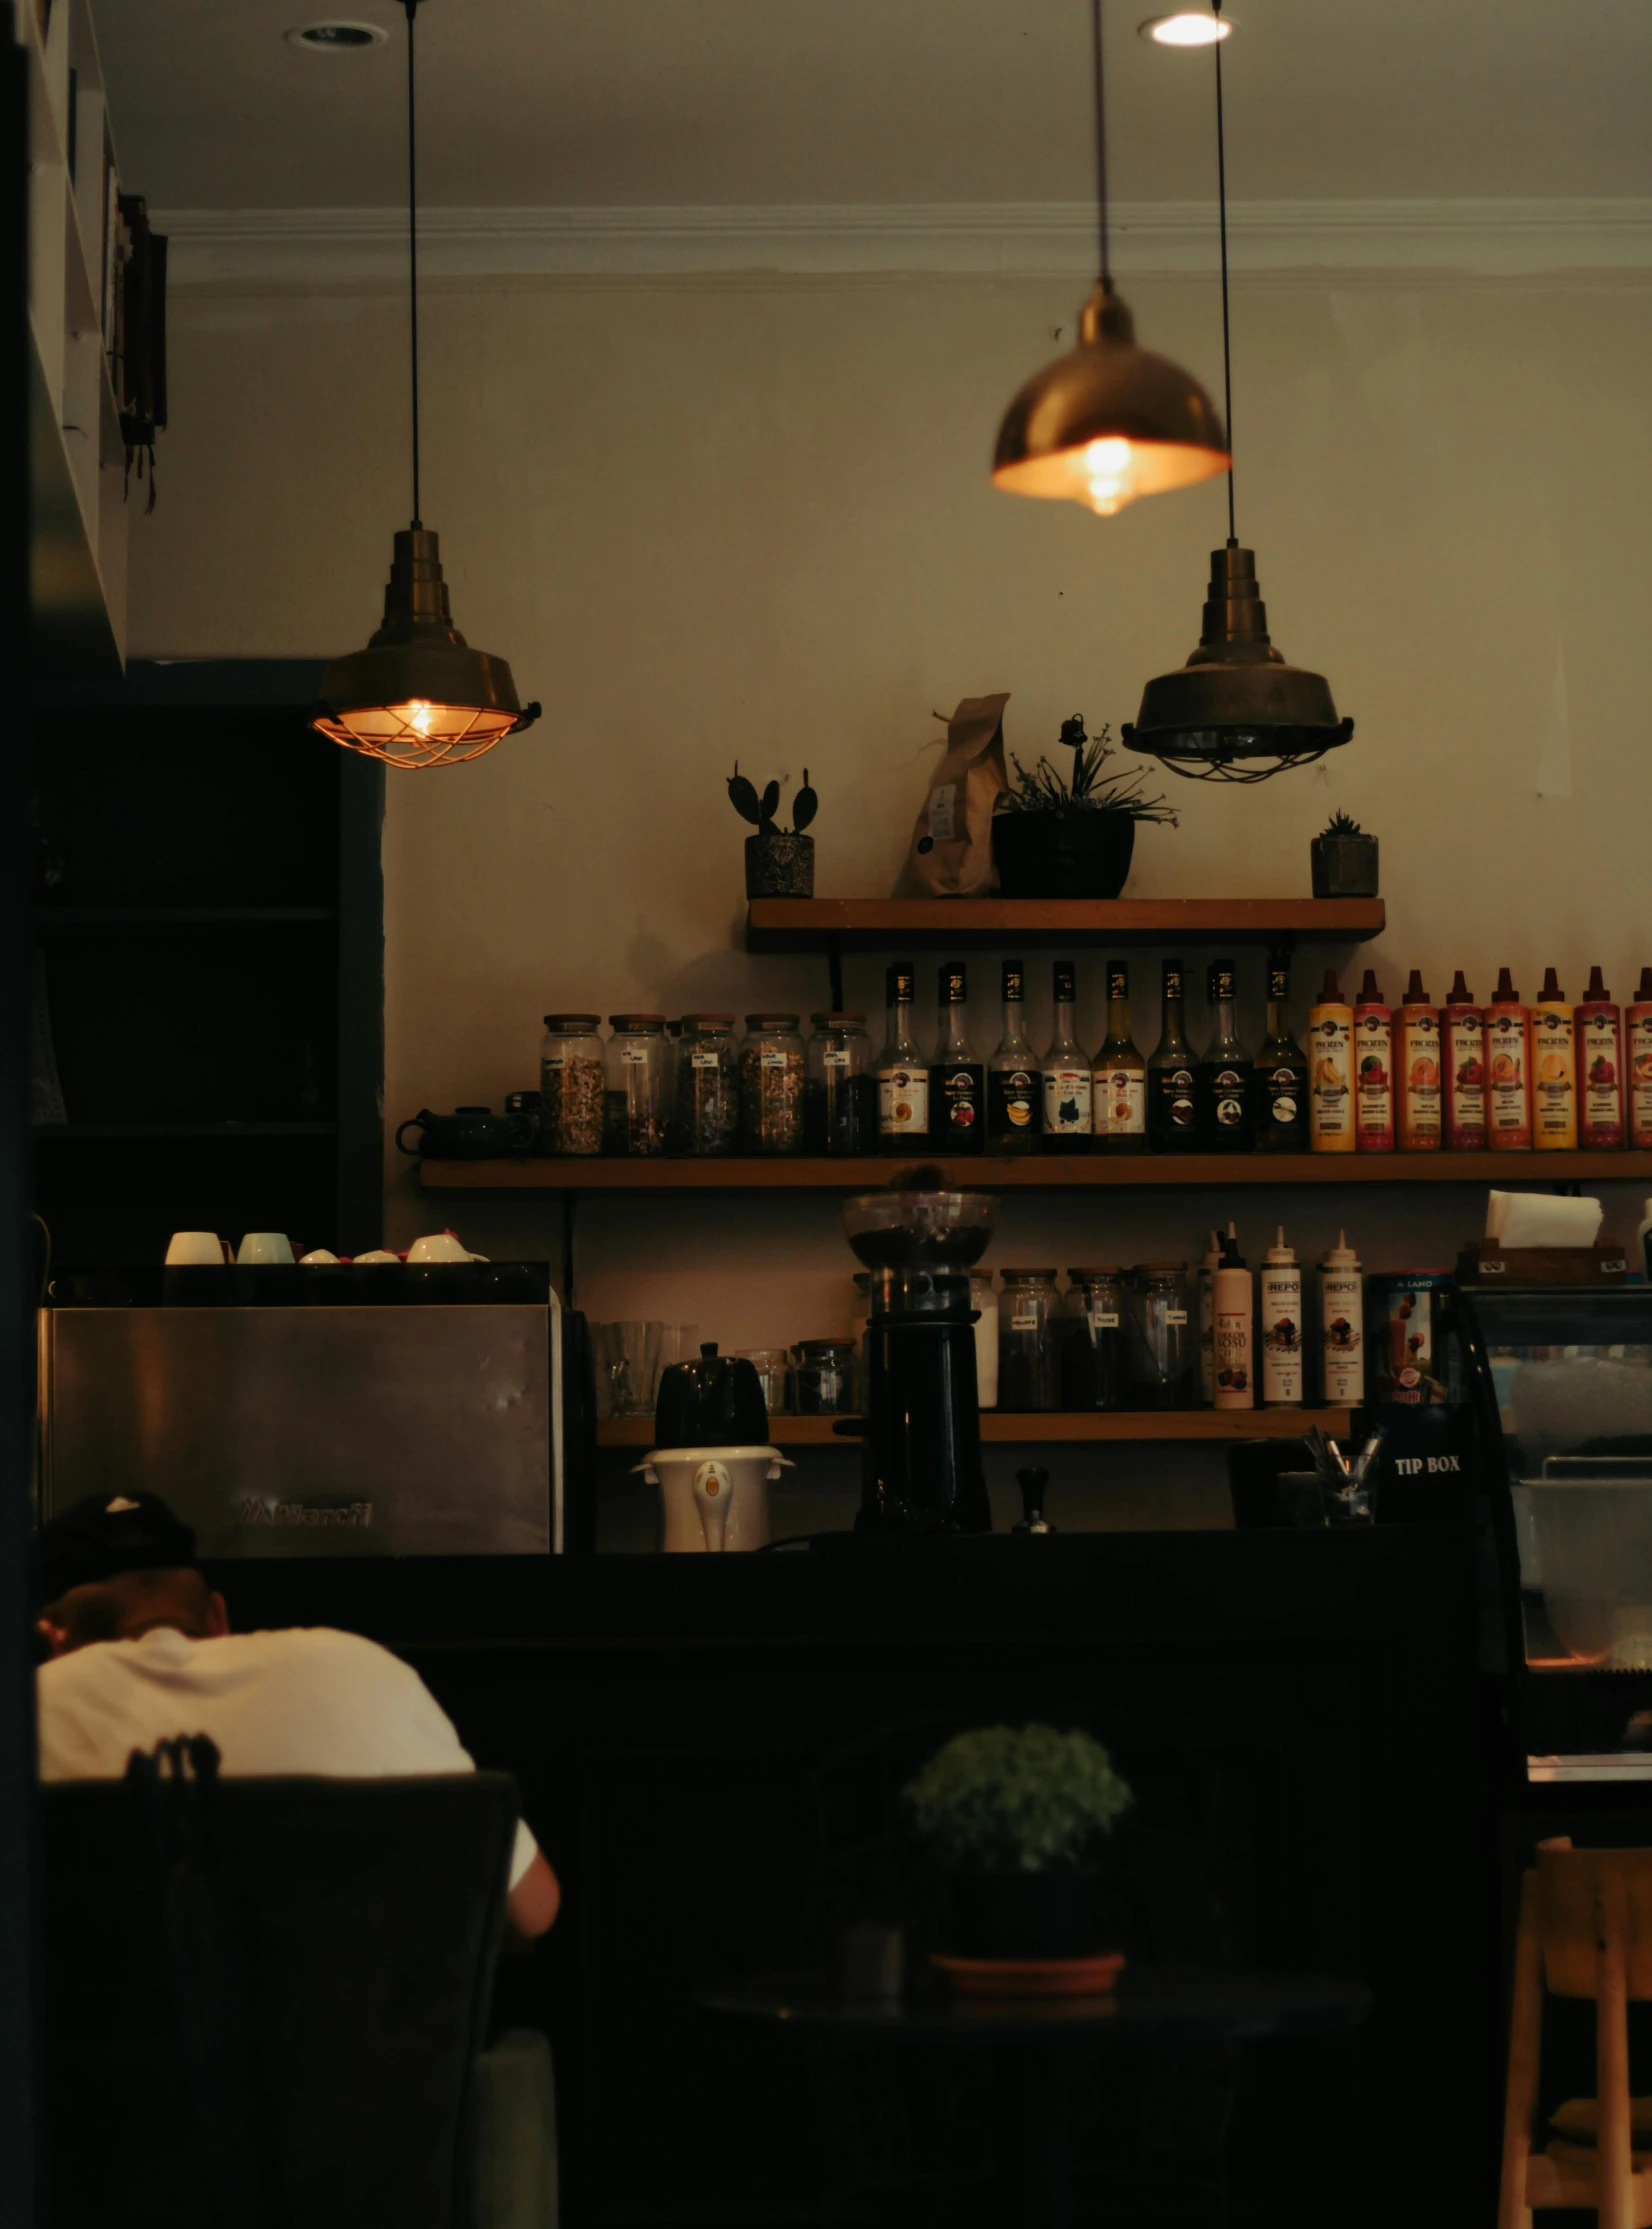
[1189, 28]
[337, 38]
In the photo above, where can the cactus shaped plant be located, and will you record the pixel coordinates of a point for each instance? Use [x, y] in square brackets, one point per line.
[760, 811]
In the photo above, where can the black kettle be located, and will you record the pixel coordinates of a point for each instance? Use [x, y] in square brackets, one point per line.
[715, 1402]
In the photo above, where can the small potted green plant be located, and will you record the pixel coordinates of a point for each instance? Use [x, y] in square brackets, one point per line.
[1016, 1817]
[780, 862]
[1345, 860]
[1058, 838]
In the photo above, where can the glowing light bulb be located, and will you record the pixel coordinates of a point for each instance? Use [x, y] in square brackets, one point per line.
[1188, 28]
[421, 717]
[1109, 474]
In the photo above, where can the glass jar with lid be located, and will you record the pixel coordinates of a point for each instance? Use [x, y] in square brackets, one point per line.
[823, 1377]
[634, 1102]
[840, 1089]
[570, 1084]
[1095, 1347]
[707, 1112]
[1029, 1360]
[771, 1085]
[1164, 1338]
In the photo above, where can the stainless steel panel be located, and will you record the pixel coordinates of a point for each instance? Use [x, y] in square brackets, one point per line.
[311, 1431]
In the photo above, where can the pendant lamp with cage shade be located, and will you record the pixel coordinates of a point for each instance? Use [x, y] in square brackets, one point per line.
[1236, 712]
[418, 695]
[1109, 421]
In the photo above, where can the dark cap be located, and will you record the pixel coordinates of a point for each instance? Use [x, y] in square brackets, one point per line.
[111, 1533]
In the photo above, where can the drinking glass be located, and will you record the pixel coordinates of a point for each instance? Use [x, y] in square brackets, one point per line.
[629, 1358]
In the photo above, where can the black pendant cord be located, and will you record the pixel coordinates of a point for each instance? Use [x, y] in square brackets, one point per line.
[1098, 70]
[1222, 212]
[413, 253]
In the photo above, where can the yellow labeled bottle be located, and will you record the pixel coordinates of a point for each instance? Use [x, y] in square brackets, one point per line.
[1331, 1070]
[1554, 1069]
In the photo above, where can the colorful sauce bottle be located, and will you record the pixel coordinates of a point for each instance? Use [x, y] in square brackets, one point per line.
[1463, 1059]
[1419, 1070]
[1508, 1086]
[1282, 1341]
[1341, 1327]
[1599, 1068]
[1637, 1064]
[1554, 1069]
[1331, 1070]
[1373, 1070]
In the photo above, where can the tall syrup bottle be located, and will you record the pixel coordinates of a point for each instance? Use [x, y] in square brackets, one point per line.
[957, 1080]
[1508, 1082]
[1222, 1082]
[1118, 1081]
[1637, 1064]
[1281, 1092]
[1554, 1069]
[1012, 1074]
[1065, 1074]
[1373, 1070]
[1235, 1318]
[1331, 1070]
[1463, 1067]
[1599, 1068]
[1418, 1074]
[903, 1072]
[1281, 1289]
[1208, 1267]
[1172, 1115]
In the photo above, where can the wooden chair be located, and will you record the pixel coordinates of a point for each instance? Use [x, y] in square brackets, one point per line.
[1585, 1931]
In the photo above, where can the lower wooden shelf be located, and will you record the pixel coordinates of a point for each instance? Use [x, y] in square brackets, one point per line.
[1017, 1428]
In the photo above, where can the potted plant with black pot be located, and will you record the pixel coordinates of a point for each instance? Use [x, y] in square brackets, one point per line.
[780, 862]
[1016, 1818]
[1344, 860]
[1055, 837]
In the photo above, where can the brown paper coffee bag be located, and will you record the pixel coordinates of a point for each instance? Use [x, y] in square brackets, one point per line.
[950, 855]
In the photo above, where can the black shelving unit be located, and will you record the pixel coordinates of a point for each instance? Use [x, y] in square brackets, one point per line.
[209, 965]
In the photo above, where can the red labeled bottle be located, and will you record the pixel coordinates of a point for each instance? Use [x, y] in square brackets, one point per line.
[1599, 1068]
[1418, 1090]
[1508, 1076]
[1373, 1070]
[1637, 1064]
[1463, 1068]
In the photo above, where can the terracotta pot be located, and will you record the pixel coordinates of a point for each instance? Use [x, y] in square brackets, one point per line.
[1062, 855]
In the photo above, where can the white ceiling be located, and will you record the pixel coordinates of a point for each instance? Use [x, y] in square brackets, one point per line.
[536, 103]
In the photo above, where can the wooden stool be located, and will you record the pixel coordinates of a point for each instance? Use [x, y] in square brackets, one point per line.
[1585, 1931]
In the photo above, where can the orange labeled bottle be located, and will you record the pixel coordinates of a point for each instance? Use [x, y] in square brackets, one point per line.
[1637, 1064]
[1554, 1069]
[1599, 1068]
[1331, 1070]
[1508, 1087]
[1373, 1070]
[1419, 1070]
[1463, 1067]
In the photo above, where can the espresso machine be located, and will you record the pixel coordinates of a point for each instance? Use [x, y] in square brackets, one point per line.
[921, 1419]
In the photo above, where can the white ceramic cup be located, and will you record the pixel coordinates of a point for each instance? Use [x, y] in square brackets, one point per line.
[195, 1250]
[264, 1247]
[378, 1255]
[441, 1246]
[318, 1259]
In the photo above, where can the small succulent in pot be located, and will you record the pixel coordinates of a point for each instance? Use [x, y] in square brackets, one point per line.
[1016, 1817]
[1344, 860]
[780, 863]
[1058, 838]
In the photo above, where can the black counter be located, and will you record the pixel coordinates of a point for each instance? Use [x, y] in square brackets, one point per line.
[1300, 1715]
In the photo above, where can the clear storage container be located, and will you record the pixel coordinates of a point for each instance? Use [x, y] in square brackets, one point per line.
[707, 1111]
[570, 1085]
[1029, 1310]
[771, 1085]
[824, 1377]
[1095, 1348]
[840, 1092]
[634, 1103]
[1164, 1338]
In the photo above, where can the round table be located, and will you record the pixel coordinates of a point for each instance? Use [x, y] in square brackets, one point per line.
[1151, 2006]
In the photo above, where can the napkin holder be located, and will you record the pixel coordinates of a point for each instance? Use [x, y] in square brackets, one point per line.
[1486, 1262]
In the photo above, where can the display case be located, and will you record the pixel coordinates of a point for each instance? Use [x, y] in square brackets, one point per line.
[1562, 1380]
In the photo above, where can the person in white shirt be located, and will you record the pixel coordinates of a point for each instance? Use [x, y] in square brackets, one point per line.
[140, 1650]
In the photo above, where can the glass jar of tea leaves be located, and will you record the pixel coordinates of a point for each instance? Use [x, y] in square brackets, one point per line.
[771, 1085]
[840, 1089]
[634, 1100]
[706, 1119]
[570, 1085]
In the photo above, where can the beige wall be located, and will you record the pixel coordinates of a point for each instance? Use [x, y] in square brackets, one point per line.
[750, 517]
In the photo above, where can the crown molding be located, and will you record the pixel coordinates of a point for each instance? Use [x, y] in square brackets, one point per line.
[345, 247]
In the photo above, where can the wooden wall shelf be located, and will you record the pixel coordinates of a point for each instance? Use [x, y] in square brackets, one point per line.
[1006, 1428]
[969, 924]
[1035, 1173]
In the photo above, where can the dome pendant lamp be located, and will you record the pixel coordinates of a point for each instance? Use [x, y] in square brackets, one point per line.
[1236, 712]
[1108, 421]
[418, 695]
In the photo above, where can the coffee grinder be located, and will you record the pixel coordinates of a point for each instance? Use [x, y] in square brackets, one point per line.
[921, 1417]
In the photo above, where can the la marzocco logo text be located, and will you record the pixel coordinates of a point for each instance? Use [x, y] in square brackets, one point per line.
[251, 1511]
